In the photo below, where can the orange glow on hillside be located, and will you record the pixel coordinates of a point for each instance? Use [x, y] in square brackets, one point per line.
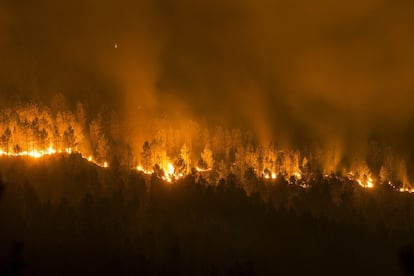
[169, 172]
[38, 154]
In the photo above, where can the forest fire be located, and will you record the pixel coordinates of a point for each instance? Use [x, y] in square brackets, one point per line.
[206, 137]
[198, 169]
[35, 131]
[141, 169]
[167, 173]
[269, 175]
[38, 154]
[363, 180]
[33, 153]
[367, 183]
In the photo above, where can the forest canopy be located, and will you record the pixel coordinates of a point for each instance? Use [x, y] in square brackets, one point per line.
[33, 129]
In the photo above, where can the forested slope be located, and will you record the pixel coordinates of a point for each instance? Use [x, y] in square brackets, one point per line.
[62, 215]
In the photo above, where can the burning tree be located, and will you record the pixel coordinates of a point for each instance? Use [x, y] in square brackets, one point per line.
[146, 157]
[35, 130]
[207, 157]
[5, 139]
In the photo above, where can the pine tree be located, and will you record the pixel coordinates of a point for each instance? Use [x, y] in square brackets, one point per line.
[146, 156]
[207, 156]
[185, 155]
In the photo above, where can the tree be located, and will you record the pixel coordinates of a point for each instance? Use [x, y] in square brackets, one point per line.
[26, 131]
[239, 167]
[403, 174]
[146, 156]
[280, 160]
[180, 166]
[227, 145]
[217, 144]
[5, 139]
[17, 149]
[269, 160]
[364, 174]
[305, 168]
[185, 155]
[69, 138]
[43, 135]
[59, 102]
[99, 141]
[385, 174]
[81, 115]
[207, 156]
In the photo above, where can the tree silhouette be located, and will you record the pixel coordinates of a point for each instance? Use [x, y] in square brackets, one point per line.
[146, 156]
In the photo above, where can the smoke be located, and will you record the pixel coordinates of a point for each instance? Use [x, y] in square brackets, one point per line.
[298, 73]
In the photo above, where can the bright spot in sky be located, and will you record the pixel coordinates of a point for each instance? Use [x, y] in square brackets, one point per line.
[116, 46]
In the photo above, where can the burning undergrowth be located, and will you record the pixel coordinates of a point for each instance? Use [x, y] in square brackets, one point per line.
[172, 152]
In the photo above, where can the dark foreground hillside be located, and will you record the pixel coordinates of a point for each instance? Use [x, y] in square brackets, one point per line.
[65, 216]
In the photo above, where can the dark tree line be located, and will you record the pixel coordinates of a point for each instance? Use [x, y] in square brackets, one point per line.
[65, 216]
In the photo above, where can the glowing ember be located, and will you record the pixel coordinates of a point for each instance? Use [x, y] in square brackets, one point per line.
[298, 175]
[169, 172]
[267, 174]
[202, 170]
[170, 169]
[141, 169]
[37, 154]
[370, 183]
[406, 190]
[51, 150]
[33, 153]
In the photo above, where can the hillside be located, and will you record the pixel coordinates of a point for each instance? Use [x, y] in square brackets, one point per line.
[64, 215]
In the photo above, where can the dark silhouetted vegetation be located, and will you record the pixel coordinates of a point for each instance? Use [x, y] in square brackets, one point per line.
[62, 215]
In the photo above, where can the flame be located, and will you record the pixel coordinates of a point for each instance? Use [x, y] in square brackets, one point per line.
[269, 175]
[169, 172]
[406, 190]
[37, 154]
[33, 153]
[202, 170]
[141, 169]
[170, 169]
[369, 183]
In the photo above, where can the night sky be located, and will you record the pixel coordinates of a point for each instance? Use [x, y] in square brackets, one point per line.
[297, 71]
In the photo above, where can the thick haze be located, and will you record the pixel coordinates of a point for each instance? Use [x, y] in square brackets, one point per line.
[296, 70]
